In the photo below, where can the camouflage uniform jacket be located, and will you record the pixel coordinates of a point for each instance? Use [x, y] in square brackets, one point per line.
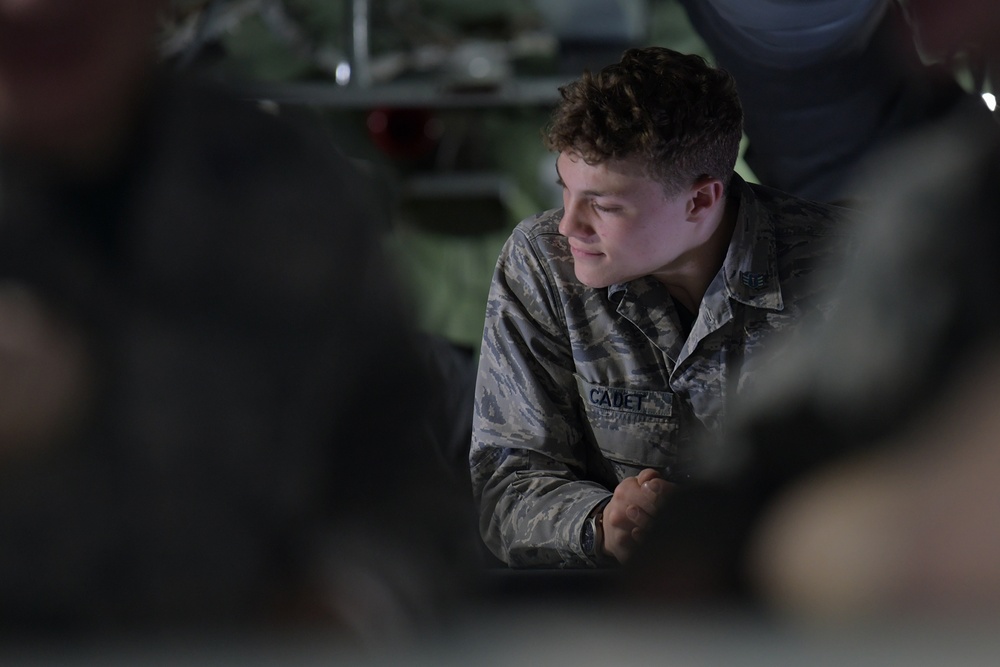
[579, 388]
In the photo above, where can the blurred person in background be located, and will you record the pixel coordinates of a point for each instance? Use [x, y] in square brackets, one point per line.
[861, 479]
[824, 83]
[211, 403]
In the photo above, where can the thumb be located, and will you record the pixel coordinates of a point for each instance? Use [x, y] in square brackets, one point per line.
[647, 474]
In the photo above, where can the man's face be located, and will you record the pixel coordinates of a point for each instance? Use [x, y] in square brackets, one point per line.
[69, 69]
[619, 223]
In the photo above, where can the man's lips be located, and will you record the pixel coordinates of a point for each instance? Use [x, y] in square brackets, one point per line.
[580, 252]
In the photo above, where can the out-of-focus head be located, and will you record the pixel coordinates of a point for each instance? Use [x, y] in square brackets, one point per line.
[958, 25]
[70, 72]
[671, 111]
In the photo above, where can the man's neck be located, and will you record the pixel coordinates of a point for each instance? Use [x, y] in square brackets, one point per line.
[690, 282]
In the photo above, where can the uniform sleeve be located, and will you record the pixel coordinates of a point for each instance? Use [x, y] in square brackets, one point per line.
[526, 458]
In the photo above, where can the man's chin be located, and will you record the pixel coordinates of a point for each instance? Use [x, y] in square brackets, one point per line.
[595, 282]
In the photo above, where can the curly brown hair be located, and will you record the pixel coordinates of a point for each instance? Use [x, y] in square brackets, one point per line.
[672, 111]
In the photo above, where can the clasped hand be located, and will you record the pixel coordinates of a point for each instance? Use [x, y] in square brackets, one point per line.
[630, 511]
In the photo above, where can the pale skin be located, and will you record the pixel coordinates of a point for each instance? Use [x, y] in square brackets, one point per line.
[632, 507]
[622, 225]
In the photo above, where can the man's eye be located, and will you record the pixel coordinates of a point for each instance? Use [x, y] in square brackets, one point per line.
[602, 209]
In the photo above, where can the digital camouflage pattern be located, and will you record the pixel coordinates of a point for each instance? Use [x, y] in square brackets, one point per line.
[579, 388]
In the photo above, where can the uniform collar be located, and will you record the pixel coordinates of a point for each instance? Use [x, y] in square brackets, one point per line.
[750, 269]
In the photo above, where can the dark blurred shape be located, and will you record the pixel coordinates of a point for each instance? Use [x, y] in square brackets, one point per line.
[823, 84]
[875, 430]
[403, 133]
[215, 404]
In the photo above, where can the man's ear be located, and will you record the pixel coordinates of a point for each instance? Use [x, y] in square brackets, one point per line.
[705, 198]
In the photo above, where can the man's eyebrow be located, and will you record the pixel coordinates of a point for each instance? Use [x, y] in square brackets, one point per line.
[588, 193]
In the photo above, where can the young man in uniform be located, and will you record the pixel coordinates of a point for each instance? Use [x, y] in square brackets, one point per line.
[619, 326]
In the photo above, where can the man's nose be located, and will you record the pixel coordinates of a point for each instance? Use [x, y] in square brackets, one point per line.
[573, 222]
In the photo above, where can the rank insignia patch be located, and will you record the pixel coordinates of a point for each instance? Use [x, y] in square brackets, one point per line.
[753, 280]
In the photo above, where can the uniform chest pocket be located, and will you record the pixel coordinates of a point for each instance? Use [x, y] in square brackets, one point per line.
[634, 427]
